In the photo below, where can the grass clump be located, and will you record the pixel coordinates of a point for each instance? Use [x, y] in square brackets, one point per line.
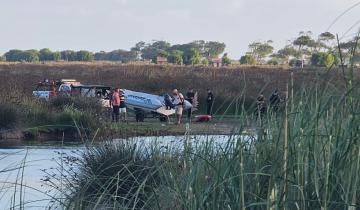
[90, 105]
[8, 116]
[111, 176]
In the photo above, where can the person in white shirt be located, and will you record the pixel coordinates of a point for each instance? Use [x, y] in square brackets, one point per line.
[178, 101]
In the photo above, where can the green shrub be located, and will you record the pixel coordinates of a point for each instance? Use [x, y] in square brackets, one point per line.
[114, 175]
[77, 119]
[36, 116]
[323, 59]
[273, 61]
[225, 60]
[91, 105]
[248, 59]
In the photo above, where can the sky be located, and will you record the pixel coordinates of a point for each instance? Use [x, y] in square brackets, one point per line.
[119, 24]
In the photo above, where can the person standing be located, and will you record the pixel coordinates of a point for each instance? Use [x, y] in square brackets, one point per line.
[178, 101]
[209, 102]
[275, 100]
[261, 105]
[115, 103]
[190, 95]
[122, 107]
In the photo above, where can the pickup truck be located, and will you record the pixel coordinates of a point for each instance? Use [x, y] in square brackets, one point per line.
[48, 89]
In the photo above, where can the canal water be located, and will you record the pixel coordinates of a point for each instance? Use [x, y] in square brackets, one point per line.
[23, 167]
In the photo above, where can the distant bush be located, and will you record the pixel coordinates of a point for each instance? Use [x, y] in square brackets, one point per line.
[225, 60]
[248, 59]
[273, 61]
[295, 62]
[8, 116]
[323, 59]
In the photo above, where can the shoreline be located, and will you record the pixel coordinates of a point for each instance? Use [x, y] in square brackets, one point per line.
[121, 131]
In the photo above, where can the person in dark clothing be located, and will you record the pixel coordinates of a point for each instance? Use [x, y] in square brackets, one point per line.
[190, 95]
[275, 100]
[168, 103]
[261, 106]
[209, 102]
[122, 107]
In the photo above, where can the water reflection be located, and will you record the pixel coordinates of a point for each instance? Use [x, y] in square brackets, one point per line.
[35, 195]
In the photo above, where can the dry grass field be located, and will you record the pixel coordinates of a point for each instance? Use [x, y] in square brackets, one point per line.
[228, 84]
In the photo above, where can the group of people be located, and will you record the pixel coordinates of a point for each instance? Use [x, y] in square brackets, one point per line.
[274, 102]
[175, 101]
[178, 100]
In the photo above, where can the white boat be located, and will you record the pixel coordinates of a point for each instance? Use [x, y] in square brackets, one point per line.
[150, 103]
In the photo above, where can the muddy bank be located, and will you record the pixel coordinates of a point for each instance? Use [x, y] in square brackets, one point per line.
[121, 130]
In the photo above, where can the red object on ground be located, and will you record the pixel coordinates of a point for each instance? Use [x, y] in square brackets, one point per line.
[203, 118]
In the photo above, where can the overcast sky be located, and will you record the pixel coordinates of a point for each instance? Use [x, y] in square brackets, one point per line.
[118, 24]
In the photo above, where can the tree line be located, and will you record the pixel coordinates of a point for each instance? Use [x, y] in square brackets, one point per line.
[321, 50]
[47, 55]
[195, 52]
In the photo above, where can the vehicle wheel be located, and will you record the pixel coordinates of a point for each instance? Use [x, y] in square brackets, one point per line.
[139, 115]
[163, 118]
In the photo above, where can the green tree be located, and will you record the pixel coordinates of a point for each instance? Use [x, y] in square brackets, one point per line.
[162, 53]
[137, 49]
[213, 49]
[195, 56]
[150, 51]
[323, 59]
[302, 41]
[101, 56]
[116, 55]
[206, 49]
[205, 61]
[248, 59]
[186, 51]
[2, 58]
[225, 60]
[84, 55]
[295, 62]
[316, 59]
[326, 38]
[176, 57]
[286, 53]
[261, 49]
[46, 55]
[68, 55]
[56, 56]
[14, 55]
[31, 55]
[273, 61]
